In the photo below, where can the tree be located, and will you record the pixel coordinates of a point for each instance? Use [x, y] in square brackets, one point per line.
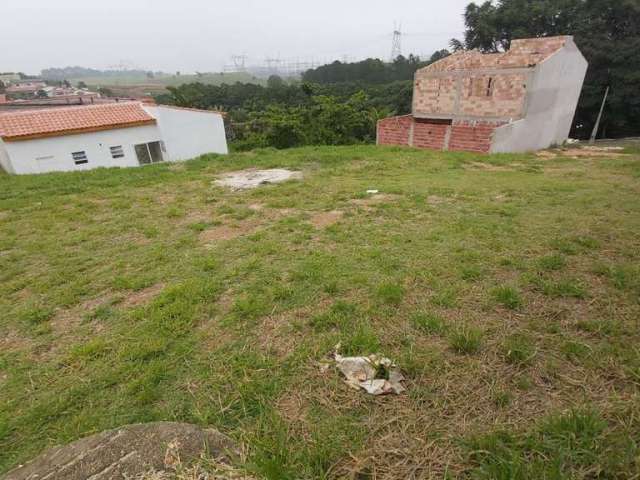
[81, 84]
[275, 81]
[3, 88]
[606, 31]
[105, 92]
[41, 94]
[439, 55]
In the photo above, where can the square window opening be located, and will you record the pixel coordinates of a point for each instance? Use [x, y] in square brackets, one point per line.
[117, 151]
[80, 158]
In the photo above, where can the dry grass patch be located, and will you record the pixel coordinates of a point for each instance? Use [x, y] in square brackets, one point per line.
[142, 297]
[225, 232]
[326, 219]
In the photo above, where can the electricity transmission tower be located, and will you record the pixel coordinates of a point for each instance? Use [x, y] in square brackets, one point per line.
[396, 42]
[239, 62]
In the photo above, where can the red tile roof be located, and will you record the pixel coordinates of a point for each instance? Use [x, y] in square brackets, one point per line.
[28, 124]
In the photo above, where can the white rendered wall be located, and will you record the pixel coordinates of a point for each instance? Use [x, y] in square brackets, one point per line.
[187, 133]
[5, 162]
[551, 104]
[55, 152]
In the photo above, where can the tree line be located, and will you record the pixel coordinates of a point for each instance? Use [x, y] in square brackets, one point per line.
[606, 31]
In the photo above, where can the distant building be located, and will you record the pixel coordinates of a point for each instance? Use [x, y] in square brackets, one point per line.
[520, 100]
[9, 77]
[109, 135]
[26, 86]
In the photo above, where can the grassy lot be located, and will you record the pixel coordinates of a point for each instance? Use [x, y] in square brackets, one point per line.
[506, 287]
[141, 84]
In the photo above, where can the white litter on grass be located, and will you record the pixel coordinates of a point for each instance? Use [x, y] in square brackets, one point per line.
[254, 178]
[373, 192]
[375, 374]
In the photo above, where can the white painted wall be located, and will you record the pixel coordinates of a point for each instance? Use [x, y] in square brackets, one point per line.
[553, 96]
[5, 163]
[188, 133]
[54, 153]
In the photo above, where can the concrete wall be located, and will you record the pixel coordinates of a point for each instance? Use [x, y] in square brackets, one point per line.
[551, 104]
[54, 153]
[188, 133]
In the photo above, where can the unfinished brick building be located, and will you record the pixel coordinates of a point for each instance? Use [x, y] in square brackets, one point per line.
[523, 99]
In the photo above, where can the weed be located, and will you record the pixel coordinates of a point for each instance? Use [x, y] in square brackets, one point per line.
[518, 349]
[502, 398]
[466, 339]
[35, 316]
[552, 262]
[507, 296]
[390, 294]
[429, 323]
[564, 288]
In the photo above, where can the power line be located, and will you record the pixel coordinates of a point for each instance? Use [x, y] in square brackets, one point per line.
[396, 42]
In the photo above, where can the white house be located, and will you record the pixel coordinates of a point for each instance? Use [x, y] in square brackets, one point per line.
[106, 135]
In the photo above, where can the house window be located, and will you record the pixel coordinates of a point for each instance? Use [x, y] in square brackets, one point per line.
[117, 152]
[149, 153]
[80, 158]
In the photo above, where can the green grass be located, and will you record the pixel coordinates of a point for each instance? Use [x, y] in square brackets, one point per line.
[508, 297]
[466, 339]
[150, 294]
[578, 444]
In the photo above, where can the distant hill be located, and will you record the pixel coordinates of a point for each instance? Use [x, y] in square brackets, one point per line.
[139, 78]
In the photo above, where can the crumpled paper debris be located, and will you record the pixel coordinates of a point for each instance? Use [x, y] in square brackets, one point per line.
[375, 374]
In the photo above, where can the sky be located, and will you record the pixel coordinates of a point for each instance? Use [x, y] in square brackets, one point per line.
[202, 35]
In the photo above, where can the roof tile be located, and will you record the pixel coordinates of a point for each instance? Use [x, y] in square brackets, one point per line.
[61, 121]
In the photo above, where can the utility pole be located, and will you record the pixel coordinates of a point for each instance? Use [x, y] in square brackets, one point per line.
[594, 134]
[396, 42]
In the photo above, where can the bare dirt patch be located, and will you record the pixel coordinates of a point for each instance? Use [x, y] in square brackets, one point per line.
[197, 216]
[488, 167]
[592, 152]
[65, 321]
[377, 199]
[253, 178]
[142, 296]
[12, 340]
[224, 232]
[546, 155]
[436, 200]
[326, 219]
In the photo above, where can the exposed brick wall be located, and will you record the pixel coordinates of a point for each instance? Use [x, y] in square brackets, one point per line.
[469, 136]
[394, 130]
[430, 135]
[472, 136]
[473, 84]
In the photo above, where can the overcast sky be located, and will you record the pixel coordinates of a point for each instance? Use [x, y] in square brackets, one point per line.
[201, 35]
